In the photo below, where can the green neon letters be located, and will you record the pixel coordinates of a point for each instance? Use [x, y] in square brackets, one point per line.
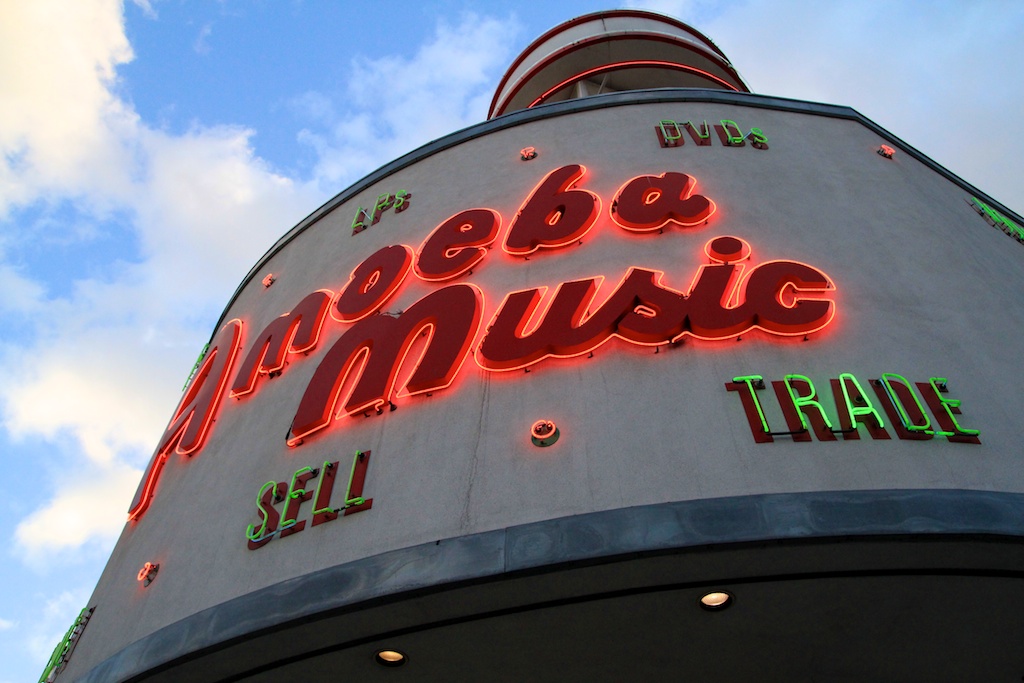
[665, 135]
[349, 500]
[300, 477]
[798, 398]
[297, 492]
[749, 381]
[192, 372]
[327, 475]
[62, 653]
[364, 218]
[908, 424]
[252, 533]
[359, 222]
[800, 402]
[949, 405]
[670, 134]
[736, 139]
[856, 412]
[401, 203]
[699, 137]
[998, 220]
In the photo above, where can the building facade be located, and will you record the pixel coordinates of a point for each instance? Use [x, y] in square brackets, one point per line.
[646, 376]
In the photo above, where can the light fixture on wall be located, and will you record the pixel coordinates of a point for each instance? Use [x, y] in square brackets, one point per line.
[148, 573]
[390, 658]
[715, 600]
[544, 433]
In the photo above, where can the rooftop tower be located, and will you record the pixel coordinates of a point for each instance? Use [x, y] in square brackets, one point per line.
[613, 51]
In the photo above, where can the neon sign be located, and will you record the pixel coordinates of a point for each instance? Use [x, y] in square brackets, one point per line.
[801, 407]
[374, 350]
[147, 573]
[194, 414]
[62, 653]
[554, 215]
[998, 220]
[433, 338]
[543, 433]
[641, 310]
[195, 366]
[364, 218]
[624, 65]
[458, 244]
[294, 494]
[648, 203]
[294, 332]
[670, 134]
[372, 283]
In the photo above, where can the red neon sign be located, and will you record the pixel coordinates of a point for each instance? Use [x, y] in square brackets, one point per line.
[147, 573]
[457, 245]
[294, 332]
[376, 348]
[555, 214]
[433, 337]
[648, 203]
[373, 282]
[641, 310]
[632, 64]
[192, 418]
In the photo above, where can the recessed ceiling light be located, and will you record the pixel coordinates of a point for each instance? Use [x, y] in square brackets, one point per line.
[390, 657]
[716, 600]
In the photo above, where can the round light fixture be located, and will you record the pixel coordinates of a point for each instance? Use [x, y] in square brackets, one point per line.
[390, 657]
[543, 433]
[148, 573]
[716, 600]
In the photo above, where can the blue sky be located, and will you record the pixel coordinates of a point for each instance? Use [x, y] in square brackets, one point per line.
[132, 132]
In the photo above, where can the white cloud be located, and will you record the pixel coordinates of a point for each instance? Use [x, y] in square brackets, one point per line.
[110, 359]
[59, 121]
[99, 369]
[398, 104]
[52, 621]
[209, 208]
[103, 365]
[96, 384]
[147, 8]
[84, 510]
[21, 293]
[313, 107]
[202, 42]
[7, 624]
[937, 79]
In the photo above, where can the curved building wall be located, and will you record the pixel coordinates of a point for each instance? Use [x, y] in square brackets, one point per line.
[920, 286]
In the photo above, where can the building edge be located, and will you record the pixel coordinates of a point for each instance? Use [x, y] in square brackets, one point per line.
[855, 533]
